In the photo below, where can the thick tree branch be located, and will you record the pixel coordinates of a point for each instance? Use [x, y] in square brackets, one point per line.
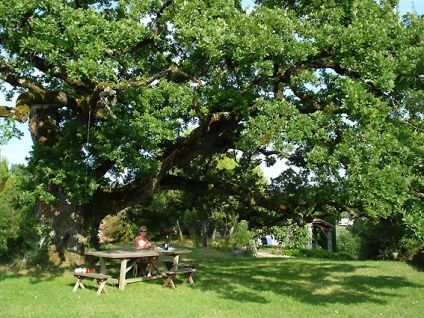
[11, 77]
[250, 198]
[132, 84]
[103, 168]
[266, 152]
[172, 70]
[48, 68]
[416, 194]
[19, 113]
[215, 136]
[37, 101]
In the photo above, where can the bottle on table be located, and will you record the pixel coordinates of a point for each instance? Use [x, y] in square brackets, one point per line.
[166, 244]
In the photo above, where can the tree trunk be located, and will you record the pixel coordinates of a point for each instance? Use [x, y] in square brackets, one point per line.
[180, 232]
[69, 233]
[205, 234]
[213, 235]
[228, 232]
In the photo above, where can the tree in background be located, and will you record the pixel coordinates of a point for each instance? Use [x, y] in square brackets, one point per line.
[18, 230]
[121, 96]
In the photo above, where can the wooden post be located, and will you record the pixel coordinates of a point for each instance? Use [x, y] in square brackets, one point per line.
[176, 261]
[329, 240]
[309, 228]
[122, 274]
[102, 265]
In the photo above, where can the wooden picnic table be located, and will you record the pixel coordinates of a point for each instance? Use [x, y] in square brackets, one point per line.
[128, 260]
[175, 252]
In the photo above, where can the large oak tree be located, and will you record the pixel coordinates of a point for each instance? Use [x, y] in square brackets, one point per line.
[127, 98]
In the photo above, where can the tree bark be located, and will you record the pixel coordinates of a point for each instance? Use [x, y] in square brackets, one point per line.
[180, 232]
[204, 233]
[69, 230]
[213, 235]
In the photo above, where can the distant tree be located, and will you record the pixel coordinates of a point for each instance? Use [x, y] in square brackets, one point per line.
[17, 231]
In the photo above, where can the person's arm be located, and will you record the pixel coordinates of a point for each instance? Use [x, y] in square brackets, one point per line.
[149, 245]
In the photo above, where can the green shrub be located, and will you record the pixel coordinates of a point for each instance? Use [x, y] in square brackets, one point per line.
[347, 242]
[274, 250]
[411, 247]
[115, 228]
[18, 230]
[379, 239]
[418, 260]
[291, 252]
[196, 239]
[383, 238]
[290, 234]
[242, 236]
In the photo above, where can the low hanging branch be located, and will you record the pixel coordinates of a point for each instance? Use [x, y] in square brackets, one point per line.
[270, 201]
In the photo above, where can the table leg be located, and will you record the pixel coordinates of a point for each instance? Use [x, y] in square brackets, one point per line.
[170, 281]
[102, 265]
[122, 274]
[190, 278]
[152, 266]
[78, 284]
[176, 260]
[102, 286]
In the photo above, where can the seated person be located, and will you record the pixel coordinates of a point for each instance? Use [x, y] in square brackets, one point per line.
[142, 243]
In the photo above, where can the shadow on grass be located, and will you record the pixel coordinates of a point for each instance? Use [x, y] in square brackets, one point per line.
[318, 283]
[417, 262]
[252, 280]
[35, 275]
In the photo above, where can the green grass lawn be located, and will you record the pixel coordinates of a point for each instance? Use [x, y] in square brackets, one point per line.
[228, 286]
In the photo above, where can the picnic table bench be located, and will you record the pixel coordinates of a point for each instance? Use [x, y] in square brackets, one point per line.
[101, 280]
[172, 274]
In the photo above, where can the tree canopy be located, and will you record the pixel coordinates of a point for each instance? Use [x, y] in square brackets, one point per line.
[127, 98]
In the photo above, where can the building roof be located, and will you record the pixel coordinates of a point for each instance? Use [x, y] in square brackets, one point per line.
[322, 223]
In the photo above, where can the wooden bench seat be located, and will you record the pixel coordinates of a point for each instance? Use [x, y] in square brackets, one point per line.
[169, 264]
[101, 280]
[172, 274]
[187, 265]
